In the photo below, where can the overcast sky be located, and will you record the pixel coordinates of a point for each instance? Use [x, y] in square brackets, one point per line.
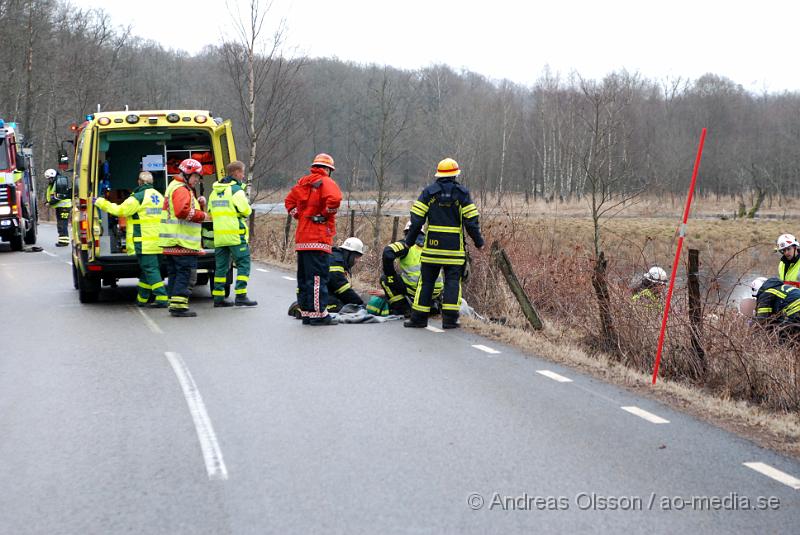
[752, 43]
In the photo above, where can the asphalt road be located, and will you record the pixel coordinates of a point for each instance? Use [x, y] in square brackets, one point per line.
[116, 420]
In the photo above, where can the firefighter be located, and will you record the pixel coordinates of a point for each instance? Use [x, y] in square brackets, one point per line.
[650, 288]
[777, 304]
[401, 288]
[343, 258]
[229, 208]
[180, 235]
[143, 212]
[314, 201]
[789, 265]
[59, 196]
[447, 208]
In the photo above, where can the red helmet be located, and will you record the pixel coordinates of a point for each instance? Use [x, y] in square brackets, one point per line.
[190, 166]
[324, 160]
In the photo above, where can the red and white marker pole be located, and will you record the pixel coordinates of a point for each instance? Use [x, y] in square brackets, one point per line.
[681, 235]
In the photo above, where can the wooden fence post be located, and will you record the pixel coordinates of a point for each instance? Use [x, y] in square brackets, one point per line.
[287, 229]
[696, 307]
[525, 304]
[395, 224]
[352, 223]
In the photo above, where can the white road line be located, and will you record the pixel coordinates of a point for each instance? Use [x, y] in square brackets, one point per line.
[486, 349]
[554, 376]
[649, 416]
[262, 270]
[433, 329]
[215, 464]
[48, 253]
[289, 278]
[775, 474]
[152, 325]
[68, 263]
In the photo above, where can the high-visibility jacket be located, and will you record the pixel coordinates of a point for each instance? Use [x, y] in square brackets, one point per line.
[229, 208]
[143, 212]
[51, 198]
[408, 260]
[448, 209]
[789, 270]
[778, 300]
[175, 231]
[648, 297]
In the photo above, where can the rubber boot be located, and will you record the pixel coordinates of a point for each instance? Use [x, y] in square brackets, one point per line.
[243, 301]
[222, 304]
[418, 320]
[450, 320]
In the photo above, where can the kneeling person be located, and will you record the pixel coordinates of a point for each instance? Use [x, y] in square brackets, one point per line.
[400, 288]
[229, 209]
[340, 291]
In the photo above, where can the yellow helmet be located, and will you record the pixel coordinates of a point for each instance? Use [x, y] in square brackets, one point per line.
[447, 167]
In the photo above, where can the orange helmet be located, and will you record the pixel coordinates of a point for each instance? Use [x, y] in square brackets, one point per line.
[324, 160]
[447, 167]
[190, 166]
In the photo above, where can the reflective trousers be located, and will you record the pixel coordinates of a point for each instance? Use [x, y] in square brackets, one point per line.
[150, 280]
[179, 271]
[241, 257]
[312, 283]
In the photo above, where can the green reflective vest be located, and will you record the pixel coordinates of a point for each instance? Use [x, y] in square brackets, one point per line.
[143, 211]
[410, 271]
[229, 209]
[792, 274]
[174, 232]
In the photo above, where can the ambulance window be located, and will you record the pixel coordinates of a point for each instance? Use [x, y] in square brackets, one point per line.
[76, 171]
[226, 155]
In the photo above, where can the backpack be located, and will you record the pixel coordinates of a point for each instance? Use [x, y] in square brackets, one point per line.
[63, 189]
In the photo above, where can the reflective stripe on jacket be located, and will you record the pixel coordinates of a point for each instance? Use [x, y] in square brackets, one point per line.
[143, 212]
[229, 208]
[175, 232]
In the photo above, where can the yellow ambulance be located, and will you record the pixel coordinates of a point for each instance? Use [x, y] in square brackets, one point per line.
[111, 148]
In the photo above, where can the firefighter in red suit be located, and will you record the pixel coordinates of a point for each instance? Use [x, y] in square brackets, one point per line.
[313, 202]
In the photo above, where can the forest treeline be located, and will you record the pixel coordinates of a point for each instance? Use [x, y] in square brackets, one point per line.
[388, 127]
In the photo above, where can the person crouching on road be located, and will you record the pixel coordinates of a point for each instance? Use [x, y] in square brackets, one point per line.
[340, 291]
[229, 208]
[789, 265]
[180, 235]
[143, 212]
[314, 201]
[447, 208]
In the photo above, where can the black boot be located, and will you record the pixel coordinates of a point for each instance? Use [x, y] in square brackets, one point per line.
[243, 301]
[222, 304]
[327, 320]
[450, 320]
[418, 320]
[182, 313]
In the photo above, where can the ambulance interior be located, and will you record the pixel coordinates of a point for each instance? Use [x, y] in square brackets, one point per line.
[123, 155]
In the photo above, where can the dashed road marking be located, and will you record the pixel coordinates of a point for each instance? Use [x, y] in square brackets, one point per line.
[212, 455]
[775, 474]
[486, 349]
[554, 376]
[434, 329]
[289, 278]
[48, 253]
[152, 325]
[262, 270]
[649, 416]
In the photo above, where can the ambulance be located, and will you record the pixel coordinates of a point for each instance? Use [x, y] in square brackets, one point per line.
[111, 148]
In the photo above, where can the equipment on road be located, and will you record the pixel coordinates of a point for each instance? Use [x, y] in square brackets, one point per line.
[19, 213]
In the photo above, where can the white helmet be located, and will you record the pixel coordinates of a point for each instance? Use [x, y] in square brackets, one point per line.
[785, 241]
[755, 286]
[353, 244]
[656, 274]
[50, 173]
